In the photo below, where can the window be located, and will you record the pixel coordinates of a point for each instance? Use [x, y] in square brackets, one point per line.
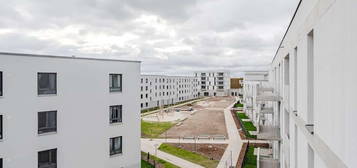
[1, 83]
[116, 114]
[115, 82]
[47, 159]
[46, 83]
[115, 145]
[1, 133]
[310, 77]
[47, 122]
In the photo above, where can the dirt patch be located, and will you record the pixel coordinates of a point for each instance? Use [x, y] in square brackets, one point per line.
[208, 120]
[212, 151]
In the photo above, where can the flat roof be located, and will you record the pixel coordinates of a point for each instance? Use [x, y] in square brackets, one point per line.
[287, 30]
[65, 57]
[168, 76]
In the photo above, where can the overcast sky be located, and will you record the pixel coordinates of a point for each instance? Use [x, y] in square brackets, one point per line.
[173, 37]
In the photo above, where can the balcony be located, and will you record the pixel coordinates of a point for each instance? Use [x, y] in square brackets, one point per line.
[268, 97]
[268, 133]
[266, 89]
[267, 162]
[267, 110]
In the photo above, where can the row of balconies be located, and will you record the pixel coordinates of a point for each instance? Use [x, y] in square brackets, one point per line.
[263, 108]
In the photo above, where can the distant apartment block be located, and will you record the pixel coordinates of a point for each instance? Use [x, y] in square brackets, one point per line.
[213, 83]
[160, 90]
[68, 112]
[236, 85]
[305, 105]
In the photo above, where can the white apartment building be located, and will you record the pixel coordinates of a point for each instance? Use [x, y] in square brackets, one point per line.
[68, 112]
[159, 90]
[213, 83]
[311, 93]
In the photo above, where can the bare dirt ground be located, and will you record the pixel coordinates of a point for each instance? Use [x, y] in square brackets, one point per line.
[212, 151]
[207, 120]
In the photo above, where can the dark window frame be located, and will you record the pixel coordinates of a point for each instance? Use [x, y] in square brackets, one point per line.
[1, 127]
[1, 84]
[46, 91]
[112, 87]
[52, 158]
[116, 118]
[47, 128]
[113, 150]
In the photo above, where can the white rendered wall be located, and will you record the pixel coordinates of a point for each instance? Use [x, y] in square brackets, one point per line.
[211, 83]
[82, 103]
[165, 90]
[335, 37]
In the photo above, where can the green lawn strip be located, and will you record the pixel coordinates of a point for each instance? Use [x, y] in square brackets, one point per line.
[242, 116]
[249, 126]
[189, 156]
[162, 162]
[238, 105]
[250, 160]
[154, 129]
[145, 164]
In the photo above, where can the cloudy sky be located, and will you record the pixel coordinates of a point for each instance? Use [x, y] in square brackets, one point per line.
[169, 36]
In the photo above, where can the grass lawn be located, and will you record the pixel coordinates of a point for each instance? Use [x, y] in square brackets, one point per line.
[189, 156]
[238, 105]
[242, 116]
[145, 164]
[250, 160]
[249, 126]
[162, 162]
[154, 129]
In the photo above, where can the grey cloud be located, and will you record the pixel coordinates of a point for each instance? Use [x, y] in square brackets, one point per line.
[206, 34]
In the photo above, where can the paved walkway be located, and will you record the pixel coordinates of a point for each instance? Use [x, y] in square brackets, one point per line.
[230, 156]
[201, 141]
[151, 146]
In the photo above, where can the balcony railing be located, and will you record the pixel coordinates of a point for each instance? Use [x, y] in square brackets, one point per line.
[267, 162]
[268, 132]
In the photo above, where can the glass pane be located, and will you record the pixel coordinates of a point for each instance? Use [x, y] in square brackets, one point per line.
[41, 119]
[43, 81]
[43, 157]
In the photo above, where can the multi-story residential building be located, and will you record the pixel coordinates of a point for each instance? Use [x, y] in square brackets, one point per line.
[213, 83]
[68, 112]
[159, 90]
[311, 92]
[236, 85]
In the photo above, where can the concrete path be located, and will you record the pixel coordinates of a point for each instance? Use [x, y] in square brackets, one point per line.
[151, 147]
[230, 156]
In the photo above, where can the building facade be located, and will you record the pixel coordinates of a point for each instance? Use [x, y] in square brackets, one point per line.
[213, 83]
[160, 90]
[236, 86]
[308, 105]
[68, 112]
